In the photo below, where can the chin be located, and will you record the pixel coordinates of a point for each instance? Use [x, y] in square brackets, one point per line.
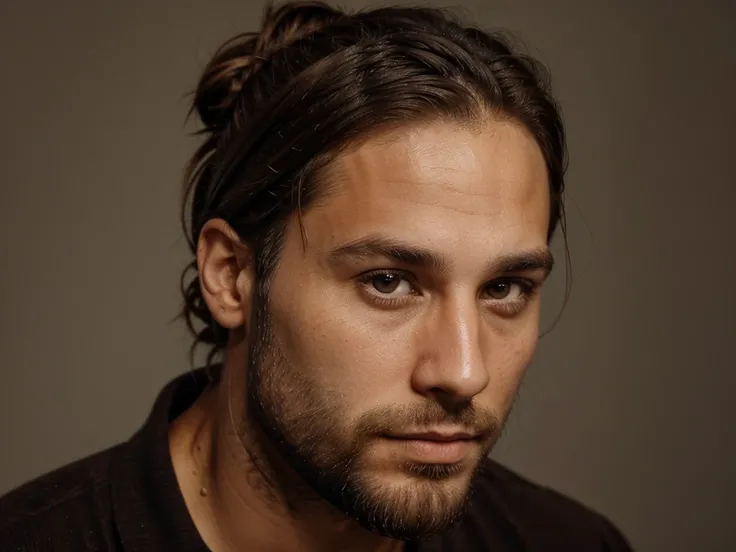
[410, 509]
[410, 500]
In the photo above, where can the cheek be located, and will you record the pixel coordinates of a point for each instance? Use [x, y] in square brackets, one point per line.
[507, 360]
[343, 353]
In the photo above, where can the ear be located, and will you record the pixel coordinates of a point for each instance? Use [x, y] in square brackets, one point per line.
[226, 273]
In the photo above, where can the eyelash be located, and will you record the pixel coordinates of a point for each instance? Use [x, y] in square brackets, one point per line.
[366, 279]
[528, 289]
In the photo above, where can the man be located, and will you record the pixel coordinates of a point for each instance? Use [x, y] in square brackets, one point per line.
[370, 215]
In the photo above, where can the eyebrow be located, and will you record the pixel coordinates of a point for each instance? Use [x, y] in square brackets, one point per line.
[379, 245]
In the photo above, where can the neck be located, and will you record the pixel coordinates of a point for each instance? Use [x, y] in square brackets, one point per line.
[240, 496]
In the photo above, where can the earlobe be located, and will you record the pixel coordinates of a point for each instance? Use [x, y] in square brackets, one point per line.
[225, 273]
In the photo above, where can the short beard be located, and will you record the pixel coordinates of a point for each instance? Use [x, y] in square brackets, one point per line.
[295, 418]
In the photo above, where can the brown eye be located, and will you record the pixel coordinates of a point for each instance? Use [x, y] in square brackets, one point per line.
[499, 290]
[386, 283]
[387, 288]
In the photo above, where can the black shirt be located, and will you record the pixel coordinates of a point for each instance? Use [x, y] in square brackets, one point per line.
[126, 499]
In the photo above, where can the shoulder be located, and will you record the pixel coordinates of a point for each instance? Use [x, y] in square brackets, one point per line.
[537, 514]
[71, 501]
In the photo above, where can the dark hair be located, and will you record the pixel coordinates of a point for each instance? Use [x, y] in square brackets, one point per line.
[277, 105]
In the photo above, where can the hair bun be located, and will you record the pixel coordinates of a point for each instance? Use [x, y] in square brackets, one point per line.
[240, 57]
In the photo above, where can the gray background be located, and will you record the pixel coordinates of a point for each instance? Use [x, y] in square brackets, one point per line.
[627, 404]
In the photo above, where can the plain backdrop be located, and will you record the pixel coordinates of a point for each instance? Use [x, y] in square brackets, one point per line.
[628, 405]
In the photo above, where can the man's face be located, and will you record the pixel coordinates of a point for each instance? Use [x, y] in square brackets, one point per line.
[396, 341]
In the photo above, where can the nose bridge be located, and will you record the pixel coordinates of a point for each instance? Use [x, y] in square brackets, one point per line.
[463, 348]
[455, 365]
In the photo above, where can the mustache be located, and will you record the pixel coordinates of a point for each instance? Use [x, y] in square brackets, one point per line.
[429, 415]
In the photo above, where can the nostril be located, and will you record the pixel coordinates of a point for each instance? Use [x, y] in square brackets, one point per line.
[449, 401]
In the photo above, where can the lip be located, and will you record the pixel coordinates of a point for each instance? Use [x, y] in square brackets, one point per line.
[440, 437]
[435, 447]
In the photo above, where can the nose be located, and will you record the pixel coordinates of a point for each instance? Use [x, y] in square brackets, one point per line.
[452, 369]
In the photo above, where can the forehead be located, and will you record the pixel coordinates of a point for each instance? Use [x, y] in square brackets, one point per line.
[440, 185]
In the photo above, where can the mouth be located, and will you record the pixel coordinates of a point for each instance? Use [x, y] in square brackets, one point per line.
[435, 447]
[437, 436]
